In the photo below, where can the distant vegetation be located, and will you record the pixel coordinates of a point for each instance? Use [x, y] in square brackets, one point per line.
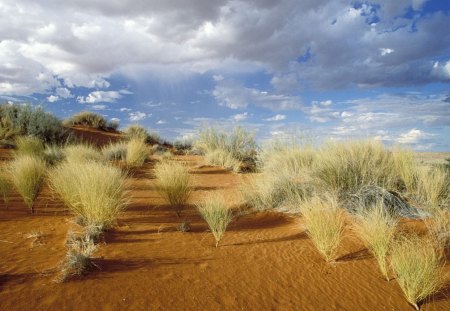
[91, 119]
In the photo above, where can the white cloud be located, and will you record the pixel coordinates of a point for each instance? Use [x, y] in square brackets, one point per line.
[240, 117]
[98, 107]
[161, 122]
[386, 51]
[413, 136]
[52, 98]
[63, 92]
[138, 116]
[125, 109]
[278, 117]
[100, 97]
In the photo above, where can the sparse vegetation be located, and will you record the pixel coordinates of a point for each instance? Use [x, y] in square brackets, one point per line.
[82, 153]
[115, 151]
[174, 183]
[324, 222]
[217, 214]
[137, 152]
[54, 154]
[418, 265]
[87, 118]
[5, 187]
[93, 191]
[218, 146]
[25, 120]
[433, 186]
[29, 145]
[27, 173]
[136, 131]
[376, 227]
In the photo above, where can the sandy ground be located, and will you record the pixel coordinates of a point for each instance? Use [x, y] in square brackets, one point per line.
[264, 262]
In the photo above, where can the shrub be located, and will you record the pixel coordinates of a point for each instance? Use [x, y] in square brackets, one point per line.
[5, 187]
[93, 191]
[137, 152]
[345, 167]
[216, 213]
[418, 265]
[87, 118]
[25, 120]
[433, 186]
[174, 183]
[115, 151]
[113, 125]
[53, 154]
[78, 257]
[376, 228]
[139, 132]
[324, 221]
[27, 176]
[239, 145]
[82, 153]
[223, 158]
[29, 145]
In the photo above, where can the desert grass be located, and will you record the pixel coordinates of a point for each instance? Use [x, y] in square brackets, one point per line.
[223, 158]
[376, 228]
[405, 165]
[93, 191]
[438, 225]
[87, 118]
[345, 167]
[81, 153]
[27, 174]
[29, 145]
[418, 266]
[137, 152]
[53, 154]
[217, 215]
[115, 151]
[324, 222]
[173, 183]
[136, 131]
[78, 260]
[239, 145]
[433, 186]
[5, 187]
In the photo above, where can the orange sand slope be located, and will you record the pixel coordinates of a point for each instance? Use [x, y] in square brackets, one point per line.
[265, 261]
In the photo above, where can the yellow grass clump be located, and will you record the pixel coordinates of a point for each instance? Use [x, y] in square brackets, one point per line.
[93, 191]
[217, 214]
[5, 187]
[376, 228]
[29, 145]
[173, 182]
[27, 174]
[324, 222]
[82, 153]
[433, 186]
[137, 152]
[223, 158]
[418, 266]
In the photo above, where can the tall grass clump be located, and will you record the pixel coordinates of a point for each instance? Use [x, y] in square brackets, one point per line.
[223, 158]
[5, 187]
[136, 131]
[324, 222]
[27, 174]
[405, 165]
[82, 153]
[115, 151]
[376, 228]
[216, 213]
[433, 186]
[239, 145]
[29, 145]
[54, 154]
[26, 120]
[137, 152]
[438, 225]
[174, 183]
[345, 167]
[93, 191]
[418, 266]
[87, 118]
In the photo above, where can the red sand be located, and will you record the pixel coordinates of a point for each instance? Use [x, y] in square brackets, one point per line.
[264, 262]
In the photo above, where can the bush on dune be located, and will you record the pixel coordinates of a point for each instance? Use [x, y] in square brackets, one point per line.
[93, 191]
[27, 174]
[137, 152]
[87, 118]
[174, 183]
[136, 131]
[115, 151]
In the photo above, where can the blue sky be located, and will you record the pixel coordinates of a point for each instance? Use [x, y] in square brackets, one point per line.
[331, 69]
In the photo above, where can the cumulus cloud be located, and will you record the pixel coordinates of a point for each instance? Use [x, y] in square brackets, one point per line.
[240, 117]
[278, 117]
[350, 44]
[100, 97]
[52, 98]
[236, 96]
[137, 116]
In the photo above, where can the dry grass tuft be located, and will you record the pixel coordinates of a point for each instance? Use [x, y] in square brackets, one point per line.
[174, 183]
[115, 151]
[27, 174]
[324, 221]
[216, 213]
[81, 153]
[376, 227]
[29, 145]
[5, 187]
[137, 152]
[433, 186]
[93, 191]
[418, 265]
